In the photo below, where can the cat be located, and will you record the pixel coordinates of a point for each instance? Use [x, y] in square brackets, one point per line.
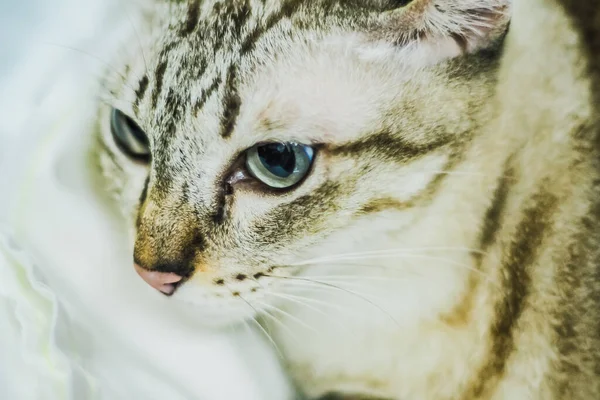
[405, 192]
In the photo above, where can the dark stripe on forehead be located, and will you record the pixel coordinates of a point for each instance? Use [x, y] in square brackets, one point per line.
[240, 16]
[286, 11]
[141, 91]
[159, 76]
[191, 21]
[175, 106]
[523, 252]
[388, 146]
[230, 18]
[231, 103]
[206, 95]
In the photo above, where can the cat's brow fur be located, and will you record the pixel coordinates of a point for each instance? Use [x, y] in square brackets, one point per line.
[456, 179]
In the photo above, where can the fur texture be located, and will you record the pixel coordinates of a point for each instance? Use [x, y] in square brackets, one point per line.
[444, 244]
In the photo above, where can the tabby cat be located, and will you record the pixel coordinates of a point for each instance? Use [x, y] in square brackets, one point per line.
[406, 193]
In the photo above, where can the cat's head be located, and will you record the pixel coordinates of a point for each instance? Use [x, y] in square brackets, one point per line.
[243, 137]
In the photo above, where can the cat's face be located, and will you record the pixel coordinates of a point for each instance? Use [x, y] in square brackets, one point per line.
[272, 133]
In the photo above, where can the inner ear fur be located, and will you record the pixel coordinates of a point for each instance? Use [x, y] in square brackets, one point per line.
[470, 24]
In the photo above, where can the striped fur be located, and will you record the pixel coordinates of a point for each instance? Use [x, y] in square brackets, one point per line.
[446, 242]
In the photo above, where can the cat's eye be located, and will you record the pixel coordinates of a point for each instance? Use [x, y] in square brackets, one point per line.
[279, 165]
[130, 138]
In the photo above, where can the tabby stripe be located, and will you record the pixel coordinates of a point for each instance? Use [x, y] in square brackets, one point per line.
[523, 252]
[300, 217]
[286, 11]
[585, 16]
[161, 68]
[141, 91]
[175, 106]
[383, 204]
[577, 318]
[387, 146]
[461, 315]
[206, 95]
[231, 103]
[575, 323]
[493, 215]
[241, 16]
[419, 200]
[192, 19]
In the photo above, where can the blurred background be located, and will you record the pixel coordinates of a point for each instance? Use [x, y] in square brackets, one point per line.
[18, 22]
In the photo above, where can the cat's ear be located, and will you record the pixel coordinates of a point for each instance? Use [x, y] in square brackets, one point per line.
[441, 28]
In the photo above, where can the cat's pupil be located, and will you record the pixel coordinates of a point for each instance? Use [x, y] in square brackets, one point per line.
[278, 158]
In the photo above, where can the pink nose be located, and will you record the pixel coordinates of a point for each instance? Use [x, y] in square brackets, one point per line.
[161, 281]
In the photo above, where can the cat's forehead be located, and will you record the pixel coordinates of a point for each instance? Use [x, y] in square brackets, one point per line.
[200, 39]
[209, 51]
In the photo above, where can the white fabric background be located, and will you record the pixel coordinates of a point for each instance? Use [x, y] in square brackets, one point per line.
[75, 321]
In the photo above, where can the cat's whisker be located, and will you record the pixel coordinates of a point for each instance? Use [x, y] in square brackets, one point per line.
[340, 285]
[407, 250]
[303, 301]
[297, 300]
[261, 328]
[113, 103]
[291, 317]
[98, 59]
[138, 40]
[106, 97]
[443, 261]
[332, 286]
[258, 282]
[359, 283]
[356, 278]
[280, 323]
[460, 173]
[268, 336]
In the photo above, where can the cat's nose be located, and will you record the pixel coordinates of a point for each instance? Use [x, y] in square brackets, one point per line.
[164, 282]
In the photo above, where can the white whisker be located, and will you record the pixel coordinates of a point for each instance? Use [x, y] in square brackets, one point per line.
[280, 323]
[302, 300]
[354, 293]
[295, 319]
[262, 329]
[268, 337]
[406, 255]
[139, 41]
[351, 256]
[92, 56]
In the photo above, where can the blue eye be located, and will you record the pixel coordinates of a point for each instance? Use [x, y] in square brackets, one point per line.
[279, 165]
